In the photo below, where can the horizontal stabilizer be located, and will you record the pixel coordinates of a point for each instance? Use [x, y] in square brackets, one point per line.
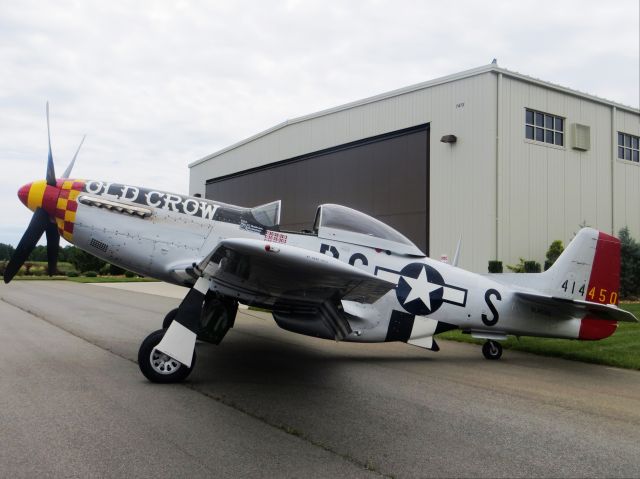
[572, 308]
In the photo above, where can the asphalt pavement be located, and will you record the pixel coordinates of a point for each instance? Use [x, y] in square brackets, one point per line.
[269, 403]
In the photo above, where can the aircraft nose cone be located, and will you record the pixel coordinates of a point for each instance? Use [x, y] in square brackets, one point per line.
[23, 193]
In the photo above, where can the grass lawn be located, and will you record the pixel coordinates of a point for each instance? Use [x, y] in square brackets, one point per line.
[84, 279]
[620, 350]
[112, 279]
[38, 273]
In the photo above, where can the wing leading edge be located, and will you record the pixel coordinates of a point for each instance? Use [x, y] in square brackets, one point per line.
[270, 274]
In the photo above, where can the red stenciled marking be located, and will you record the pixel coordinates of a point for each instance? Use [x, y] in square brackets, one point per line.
[275, 237]
[604, 282]
[593, 329]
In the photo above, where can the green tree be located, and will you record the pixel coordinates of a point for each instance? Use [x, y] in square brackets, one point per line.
[83, 261]
[6, 251]
[39, 253]
[629, 265]
[64, 254]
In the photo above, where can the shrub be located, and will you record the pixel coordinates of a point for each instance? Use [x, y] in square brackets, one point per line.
[525, 266]
[27, 268]
[495, 266]
[129, 274]
[115, 270]
[553, 253]
[517, 268]
[629, 265]
[90, 274]
[72, 274]
[532, 267]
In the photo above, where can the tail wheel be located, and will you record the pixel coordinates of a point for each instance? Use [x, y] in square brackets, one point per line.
[156, 366]
[492, 350]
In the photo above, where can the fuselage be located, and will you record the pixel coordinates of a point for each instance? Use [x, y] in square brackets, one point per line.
[162, 235]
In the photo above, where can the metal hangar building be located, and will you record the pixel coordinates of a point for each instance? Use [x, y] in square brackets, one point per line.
[505, 161]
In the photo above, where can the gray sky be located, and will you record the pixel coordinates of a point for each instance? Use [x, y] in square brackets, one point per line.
[157, 84]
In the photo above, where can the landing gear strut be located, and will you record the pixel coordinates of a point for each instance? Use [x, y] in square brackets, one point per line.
[205, 316]
[171, 315]
[492, 349]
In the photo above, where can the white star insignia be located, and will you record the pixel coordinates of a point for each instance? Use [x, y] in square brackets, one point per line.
[421, 288]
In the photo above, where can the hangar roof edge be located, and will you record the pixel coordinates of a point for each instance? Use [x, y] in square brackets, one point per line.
[490, 68]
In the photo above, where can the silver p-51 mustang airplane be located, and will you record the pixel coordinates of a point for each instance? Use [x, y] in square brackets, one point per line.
[351, 278]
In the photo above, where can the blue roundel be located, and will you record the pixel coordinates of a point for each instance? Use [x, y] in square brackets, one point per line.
[420, 289]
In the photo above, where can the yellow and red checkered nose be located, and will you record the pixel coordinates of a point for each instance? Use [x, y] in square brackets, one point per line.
[59, 201]
[39, 195]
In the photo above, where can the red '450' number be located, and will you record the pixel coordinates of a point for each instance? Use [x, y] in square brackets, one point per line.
[602, 295]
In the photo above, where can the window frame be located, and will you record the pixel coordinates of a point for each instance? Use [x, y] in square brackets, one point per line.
[544, 127]
[628, 145]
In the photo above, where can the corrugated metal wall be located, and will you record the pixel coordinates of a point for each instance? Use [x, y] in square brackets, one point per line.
[626, 179]
[385, 177]
[547, 191]
[462, 181]
[503, 194]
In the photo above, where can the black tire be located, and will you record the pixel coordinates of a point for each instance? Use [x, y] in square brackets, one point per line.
[160, 368]
[492, 350]
[168, 319]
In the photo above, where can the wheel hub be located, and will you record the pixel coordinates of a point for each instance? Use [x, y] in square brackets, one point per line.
[163, 364]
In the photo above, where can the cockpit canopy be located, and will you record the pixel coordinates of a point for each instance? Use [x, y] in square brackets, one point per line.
[340, 223]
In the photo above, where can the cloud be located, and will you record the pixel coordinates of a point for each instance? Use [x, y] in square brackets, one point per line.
[157, 85]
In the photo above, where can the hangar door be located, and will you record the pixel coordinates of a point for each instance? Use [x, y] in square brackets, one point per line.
[384, 176]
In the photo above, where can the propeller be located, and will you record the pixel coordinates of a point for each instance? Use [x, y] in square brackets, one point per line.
[51, 172]
[41, 223]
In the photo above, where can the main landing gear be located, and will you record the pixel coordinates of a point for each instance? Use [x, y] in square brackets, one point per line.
[157, 367]
[492, 349]
[205, 316]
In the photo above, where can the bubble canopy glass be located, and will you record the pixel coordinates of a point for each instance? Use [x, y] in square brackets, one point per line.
[340, 223]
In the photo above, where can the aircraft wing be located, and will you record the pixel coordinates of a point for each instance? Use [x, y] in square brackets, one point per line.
[574, 308]
[270, 274]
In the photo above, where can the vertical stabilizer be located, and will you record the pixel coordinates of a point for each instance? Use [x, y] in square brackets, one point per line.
[589, 269]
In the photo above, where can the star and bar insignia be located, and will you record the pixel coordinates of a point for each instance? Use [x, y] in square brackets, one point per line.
[421, 289]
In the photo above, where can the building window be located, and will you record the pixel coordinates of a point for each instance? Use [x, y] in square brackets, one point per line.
[544, 127]
[628, 147]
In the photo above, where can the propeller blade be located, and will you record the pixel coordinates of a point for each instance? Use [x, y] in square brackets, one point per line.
[67, 172]
[51, 172]
[36, 228]
[53, 245]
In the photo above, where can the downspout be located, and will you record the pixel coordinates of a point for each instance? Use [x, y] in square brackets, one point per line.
[498, 165]
[614, 155]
